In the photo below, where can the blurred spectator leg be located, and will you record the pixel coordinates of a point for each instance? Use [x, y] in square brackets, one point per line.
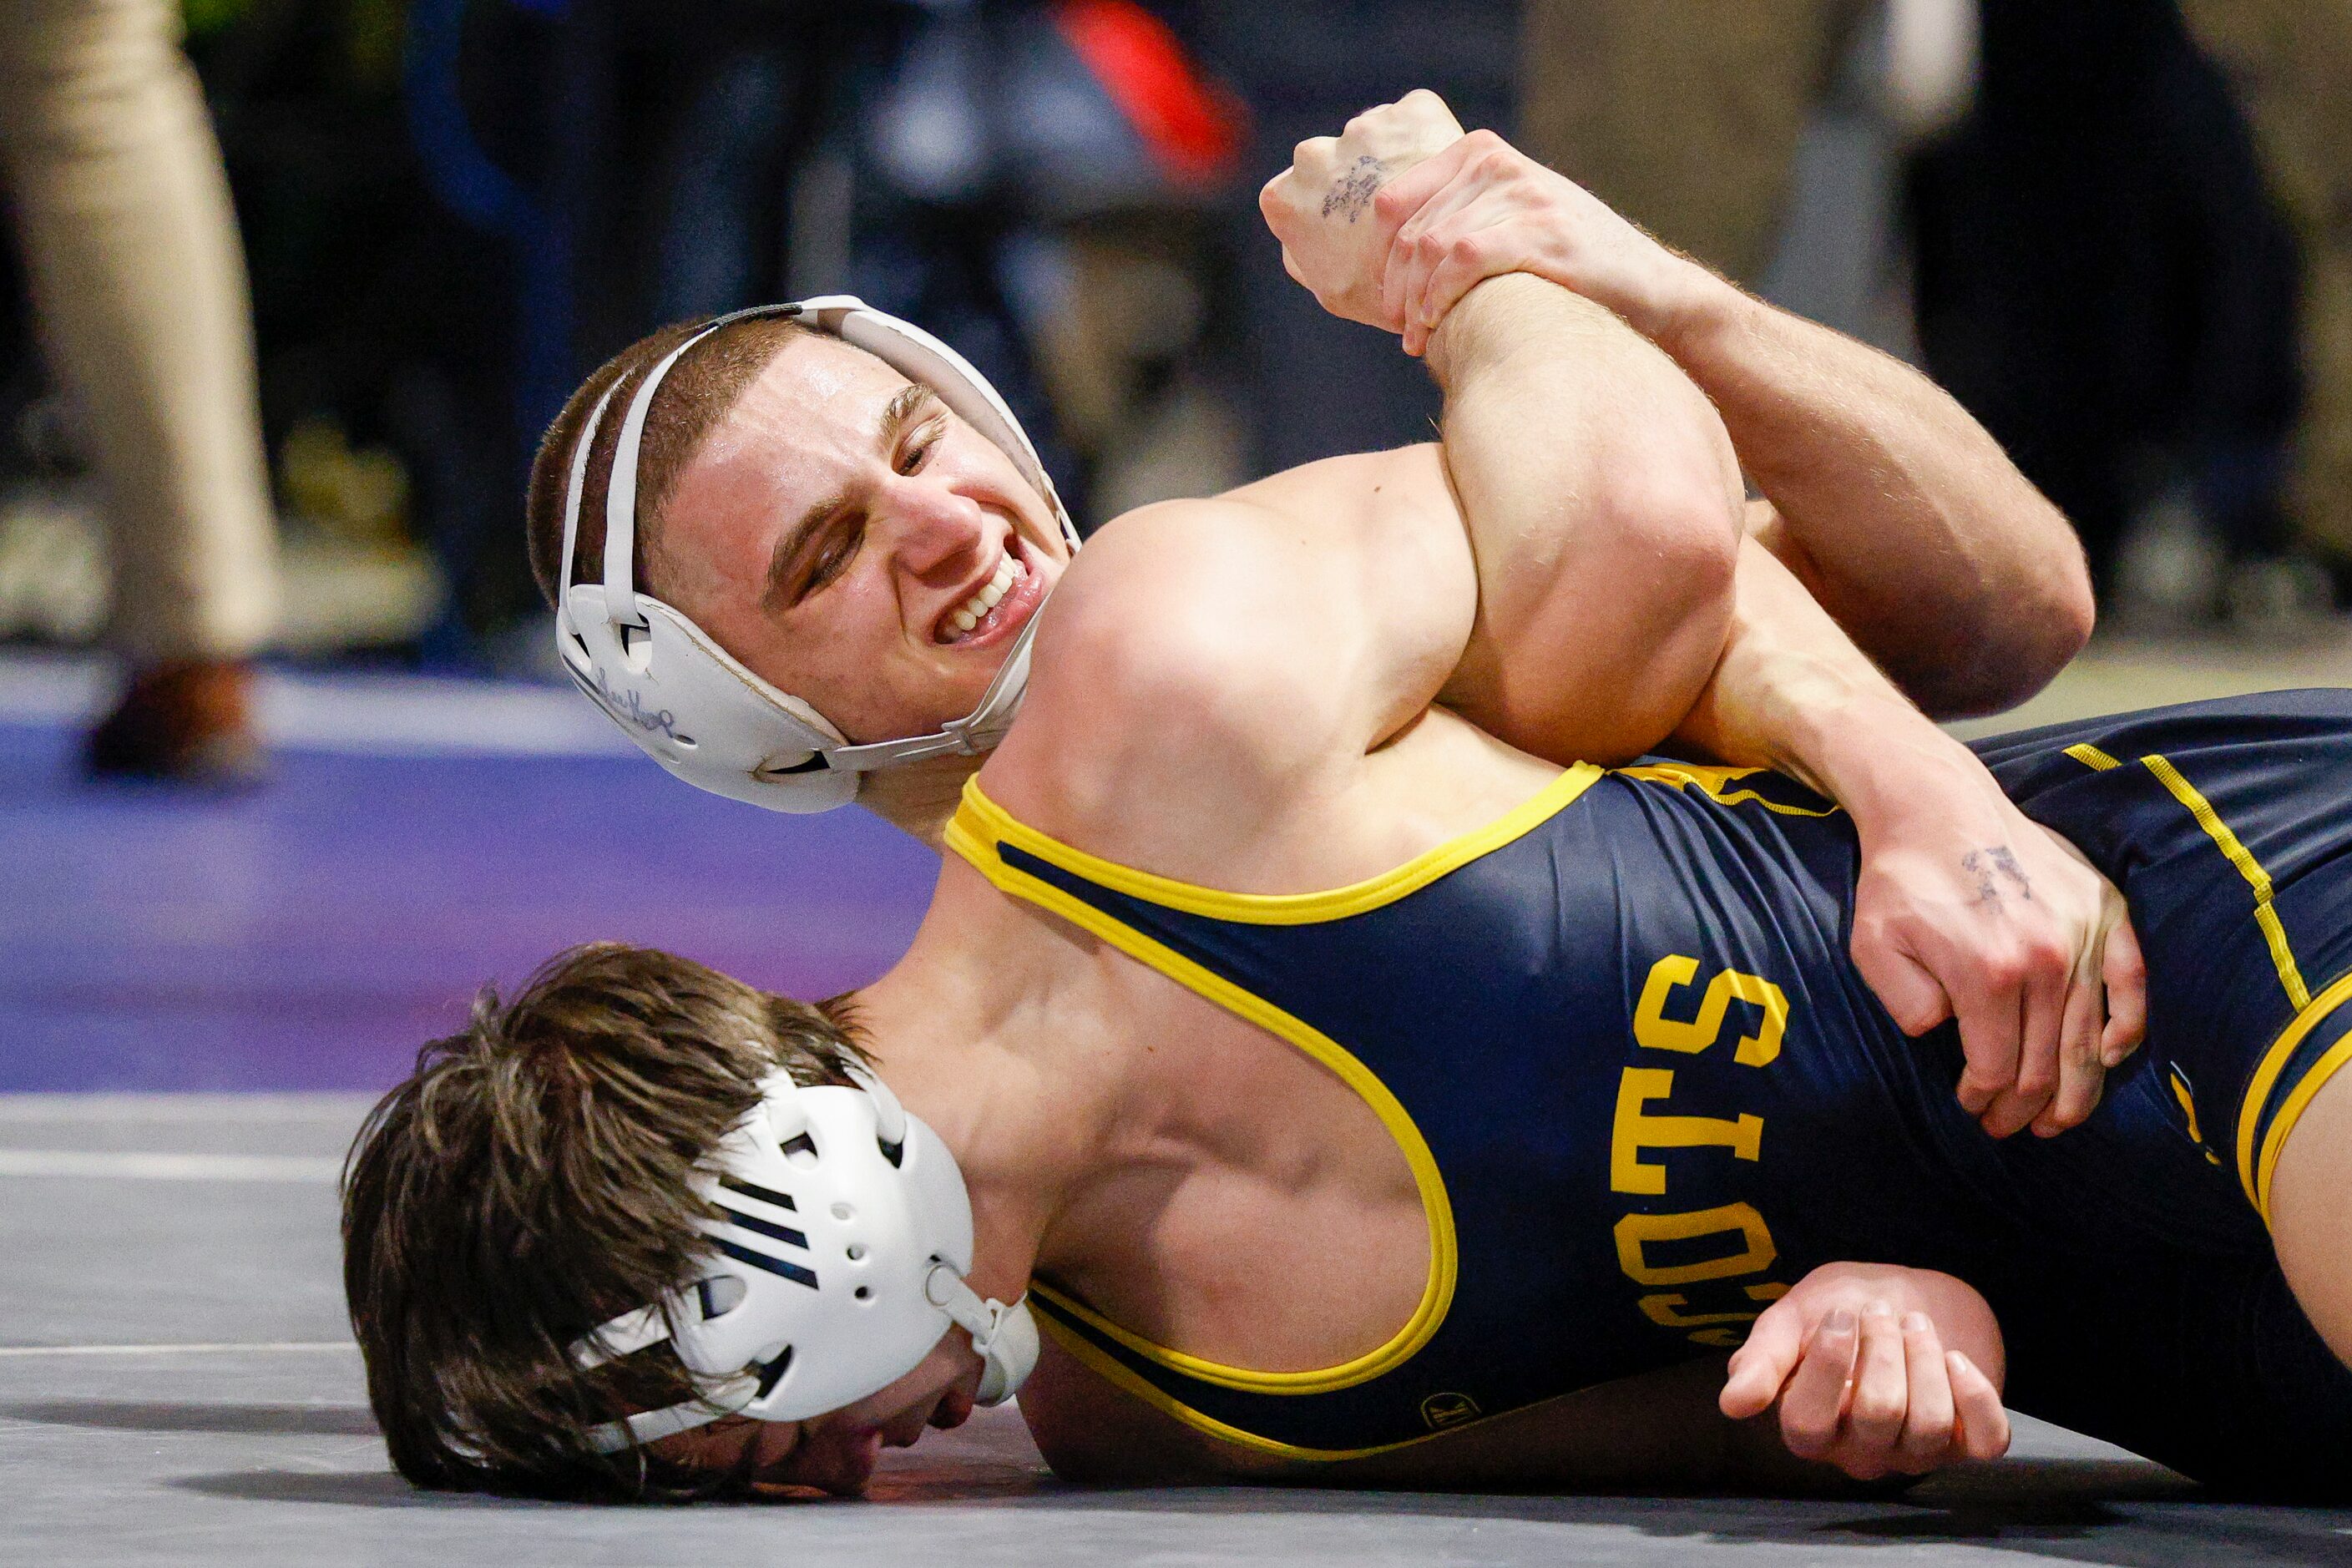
[1682, 116]
[2244, 394]
[2103, 280]
[139, 287]
[2289, 65]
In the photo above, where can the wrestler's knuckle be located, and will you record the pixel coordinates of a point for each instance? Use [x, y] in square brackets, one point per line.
[2050, 952]
[1924, 1440]
[1466, 247]
[2004, 967]
[1491, 162]
[1806, 1439]
[1877, 1411]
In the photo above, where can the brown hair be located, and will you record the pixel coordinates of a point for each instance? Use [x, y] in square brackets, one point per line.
[694, 396]
[532, 1180]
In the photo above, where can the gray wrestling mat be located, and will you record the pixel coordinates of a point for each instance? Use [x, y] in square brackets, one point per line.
[176, 1385]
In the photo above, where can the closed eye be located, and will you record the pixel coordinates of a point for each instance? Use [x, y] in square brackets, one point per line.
[918, 446]
[840, 549]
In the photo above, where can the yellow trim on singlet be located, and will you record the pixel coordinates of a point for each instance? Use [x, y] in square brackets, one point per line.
[1109, 1368]
[1272, 909]
[2255, 1176]
[970, 835]
[2275, 1141]
[1716, 783]
[2235, 852]
[2090, 756]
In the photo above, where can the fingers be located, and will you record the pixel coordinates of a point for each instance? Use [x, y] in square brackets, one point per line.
[1423, 233]
[1438, 254]
[2082, 1070]
[1813, 1403]
[1983, 1424]
[2125, 971]
[2036, 998]
[1992, 1030]
[1928, 1421]
[1762, 1364]
[1912, 995]
[1880, 1397]
[1411, 204]
[1468, 259]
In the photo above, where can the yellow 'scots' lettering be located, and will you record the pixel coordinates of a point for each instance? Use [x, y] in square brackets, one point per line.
[1635, 1130]
[1721, 1329]
[1653, 1028]
[1665, 1308]
[1638, 1232]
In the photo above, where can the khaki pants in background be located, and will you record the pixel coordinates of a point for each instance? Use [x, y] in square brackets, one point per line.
[1681, 114]
[1685, 115]
[2290, 64]
[139, 290]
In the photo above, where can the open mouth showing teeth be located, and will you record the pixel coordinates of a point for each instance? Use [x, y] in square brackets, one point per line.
[980, 613]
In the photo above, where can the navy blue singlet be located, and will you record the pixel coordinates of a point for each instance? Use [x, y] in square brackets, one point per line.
[1642, 1089]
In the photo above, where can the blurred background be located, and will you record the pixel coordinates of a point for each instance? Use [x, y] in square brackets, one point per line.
[2120, 230]
[295, 284]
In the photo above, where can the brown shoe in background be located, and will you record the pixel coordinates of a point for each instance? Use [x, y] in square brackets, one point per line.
[183, 721]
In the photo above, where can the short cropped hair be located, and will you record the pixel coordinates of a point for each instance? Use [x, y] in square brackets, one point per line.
[531, 1181]
[694, 397]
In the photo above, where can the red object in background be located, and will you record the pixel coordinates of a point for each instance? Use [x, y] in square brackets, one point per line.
[1193, 128]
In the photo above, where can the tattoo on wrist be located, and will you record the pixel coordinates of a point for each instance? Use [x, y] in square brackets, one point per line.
[1997, 871]
[1353, 190]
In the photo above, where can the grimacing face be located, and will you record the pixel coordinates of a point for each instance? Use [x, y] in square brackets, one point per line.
[854, 543]
[835, 1452]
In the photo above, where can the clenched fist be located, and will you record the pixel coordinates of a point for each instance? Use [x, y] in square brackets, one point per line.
[1326, 207]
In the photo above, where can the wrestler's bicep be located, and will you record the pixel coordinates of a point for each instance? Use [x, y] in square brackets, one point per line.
[1594, 640]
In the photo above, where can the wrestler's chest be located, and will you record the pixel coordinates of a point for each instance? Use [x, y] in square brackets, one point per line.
[1261, 1215]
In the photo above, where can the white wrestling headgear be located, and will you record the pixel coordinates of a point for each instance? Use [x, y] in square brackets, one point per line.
[677, 694]
[839, 1264]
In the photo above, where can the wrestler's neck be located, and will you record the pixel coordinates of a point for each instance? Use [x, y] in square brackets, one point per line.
[960, 1030]
[917, 798]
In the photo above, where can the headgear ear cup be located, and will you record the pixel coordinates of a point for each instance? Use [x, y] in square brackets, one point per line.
[842, 1266]
[684, 699]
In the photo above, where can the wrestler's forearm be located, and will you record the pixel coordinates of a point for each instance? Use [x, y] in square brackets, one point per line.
[1900, 512]
[1602, 499]
[1792, 692]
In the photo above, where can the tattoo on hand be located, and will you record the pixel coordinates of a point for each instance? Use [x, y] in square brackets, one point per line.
[1354, 189]
[1996, 870]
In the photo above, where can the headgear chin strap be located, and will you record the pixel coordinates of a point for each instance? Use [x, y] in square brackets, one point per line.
[684, 698]
[838, 1259]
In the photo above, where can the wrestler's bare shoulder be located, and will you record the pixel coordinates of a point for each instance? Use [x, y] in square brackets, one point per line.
[1237, 647]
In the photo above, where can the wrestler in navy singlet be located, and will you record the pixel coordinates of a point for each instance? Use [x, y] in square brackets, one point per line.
[1644, 1090]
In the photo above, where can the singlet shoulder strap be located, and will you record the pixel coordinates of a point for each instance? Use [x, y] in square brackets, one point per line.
[982, 829]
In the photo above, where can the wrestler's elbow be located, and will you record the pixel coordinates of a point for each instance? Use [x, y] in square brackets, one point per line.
[2013, 647]
[2031, 620]
[2059, 627]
